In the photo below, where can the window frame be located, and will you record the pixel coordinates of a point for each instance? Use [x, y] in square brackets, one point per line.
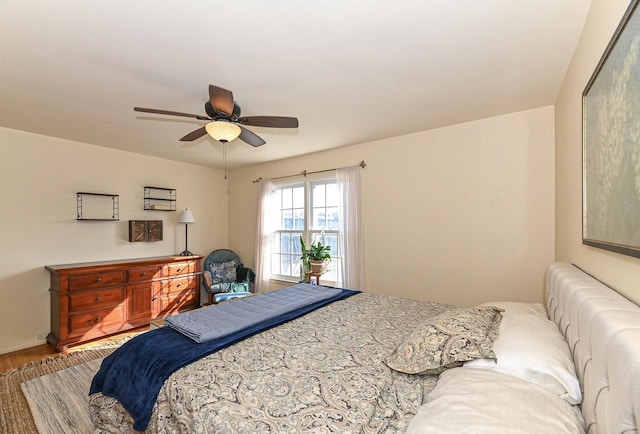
[309, 234]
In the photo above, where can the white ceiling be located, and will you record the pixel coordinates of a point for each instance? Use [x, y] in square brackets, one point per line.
[352, 71]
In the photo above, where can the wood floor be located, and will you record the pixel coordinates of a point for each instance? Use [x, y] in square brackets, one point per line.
[18, 358]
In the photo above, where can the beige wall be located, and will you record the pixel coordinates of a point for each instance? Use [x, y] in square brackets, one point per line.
[622, 272]
[40, 176]
[462, 214]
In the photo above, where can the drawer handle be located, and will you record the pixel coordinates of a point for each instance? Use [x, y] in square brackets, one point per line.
[98, 298]
[144, 274]
[154, 298]
[98, 319]
[99, 279]
[179, 270]
[178, 285]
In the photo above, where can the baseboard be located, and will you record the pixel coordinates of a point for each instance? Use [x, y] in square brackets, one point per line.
[24, 346]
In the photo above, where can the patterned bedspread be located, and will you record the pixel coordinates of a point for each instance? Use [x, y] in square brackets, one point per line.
[321, 373]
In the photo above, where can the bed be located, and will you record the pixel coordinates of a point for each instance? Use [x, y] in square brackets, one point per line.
[373, 363]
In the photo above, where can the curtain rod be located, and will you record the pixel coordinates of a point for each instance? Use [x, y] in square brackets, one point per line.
[305, 173]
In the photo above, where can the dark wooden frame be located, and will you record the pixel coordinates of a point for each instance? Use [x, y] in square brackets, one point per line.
[145, 230]
[618, 247]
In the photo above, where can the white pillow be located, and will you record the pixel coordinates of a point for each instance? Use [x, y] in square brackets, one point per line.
[511, 307]
[532, 348]
[482, 401]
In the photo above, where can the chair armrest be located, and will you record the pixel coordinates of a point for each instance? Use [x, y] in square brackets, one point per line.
[207, 279]
[251, 275]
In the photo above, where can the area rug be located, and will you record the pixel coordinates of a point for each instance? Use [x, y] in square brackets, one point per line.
[59, 401]
[15, 415]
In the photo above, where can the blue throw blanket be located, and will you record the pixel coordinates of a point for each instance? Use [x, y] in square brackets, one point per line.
[135, 373]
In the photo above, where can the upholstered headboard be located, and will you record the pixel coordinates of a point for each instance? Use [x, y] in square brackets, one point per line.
[602, 329]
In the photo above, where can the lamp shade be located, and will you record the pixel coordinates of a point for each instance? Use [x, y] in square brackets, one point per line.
[186, 217]
[223, 131]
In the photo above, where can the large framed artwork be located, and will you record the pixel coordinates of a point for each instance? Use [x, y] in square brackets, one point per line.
[611, 143]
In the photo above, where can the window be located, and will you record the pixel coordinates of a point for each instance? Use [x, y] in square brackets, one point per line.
[307, 209]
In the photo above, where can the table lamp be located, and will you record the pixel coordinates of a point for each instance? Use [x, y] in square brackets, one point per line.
[186, 217]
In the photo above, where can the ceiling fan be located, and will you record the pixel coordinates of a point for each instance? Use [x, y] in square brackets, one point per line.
[225, 123]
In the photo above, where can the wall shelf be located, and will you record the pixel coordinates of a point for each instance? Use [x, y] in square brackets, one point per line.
[96, 206]
[159, 199]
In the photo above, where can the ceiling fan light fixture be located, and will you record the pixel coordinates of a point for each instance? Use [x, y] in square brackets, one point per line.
[223, 131]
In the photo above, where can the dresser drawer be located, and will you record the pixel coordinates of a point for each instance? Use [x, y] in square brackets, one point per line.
[179, 284]
[95, 299]
[181, 268]
[98, 322]
[140, 274]
[95, 280]
[175, 302]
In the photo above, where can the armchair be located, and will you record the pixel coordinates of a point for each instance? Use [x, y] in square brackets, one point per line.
[225, 277]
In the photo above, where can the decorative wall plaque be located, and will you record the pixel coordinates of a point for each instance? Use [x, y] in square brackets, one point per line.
[145, 230]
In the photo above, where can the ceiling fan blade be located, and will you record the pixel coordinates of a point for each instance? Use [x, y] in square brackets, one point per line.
[171, 113]
[250, 137]
[221, 99]
[269, 121]
[193, 135]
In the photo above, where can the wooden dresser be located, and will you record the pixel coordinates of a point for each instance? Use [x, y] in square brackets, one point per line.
[96, 299]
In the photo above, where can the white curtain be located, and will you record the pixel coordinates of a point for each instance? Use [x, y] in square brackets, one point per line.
[264, 232]
[353, 270]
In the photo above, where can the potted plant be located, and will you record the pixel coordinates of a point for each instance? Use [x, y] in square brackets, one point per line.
[315, 256]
